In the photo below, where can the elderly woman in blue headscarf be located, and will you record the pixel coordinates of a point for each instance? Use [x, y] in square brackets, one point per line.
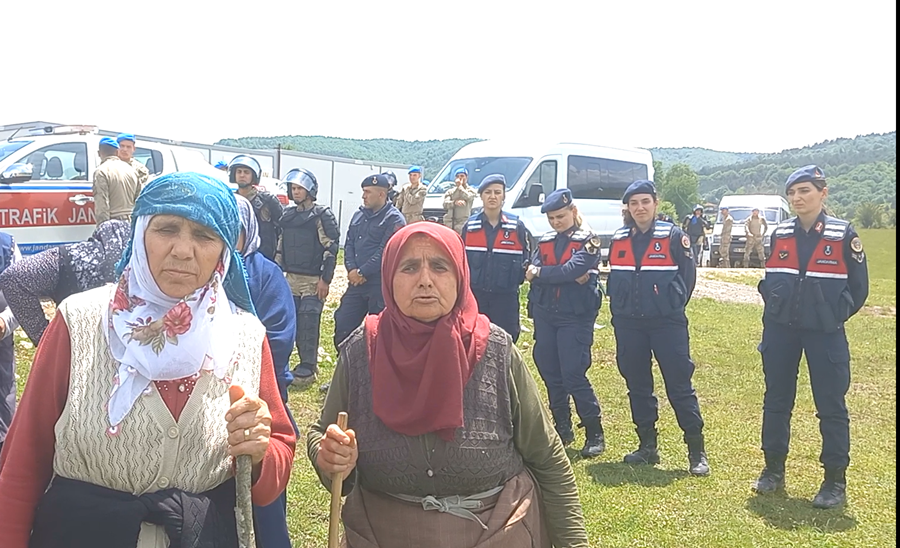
[274, 303]
[143, 392]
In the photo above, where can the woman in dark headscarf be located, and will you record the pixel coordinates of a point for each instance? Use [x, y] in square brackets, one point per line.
[62, 271]
[443, 416]
[143, 392]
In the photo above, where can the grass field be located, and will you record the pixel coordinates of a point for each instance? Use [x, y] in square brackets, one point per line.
[664, 506]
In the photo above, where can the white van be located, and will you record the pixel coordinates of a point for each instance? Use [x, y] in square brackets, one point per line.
[773, 207]
[596, 175]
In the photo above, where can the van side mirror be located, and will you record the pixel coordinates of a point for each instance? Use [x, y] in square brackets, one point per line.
[17, 173]
[535, 196]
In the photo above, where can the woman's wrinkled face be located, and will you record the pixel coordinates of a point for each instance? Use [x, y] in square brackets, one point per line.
[182, 254]
[425, 284]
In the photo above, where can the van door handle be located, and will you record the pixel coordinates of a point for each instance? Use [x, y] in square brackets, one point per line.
[81, 199]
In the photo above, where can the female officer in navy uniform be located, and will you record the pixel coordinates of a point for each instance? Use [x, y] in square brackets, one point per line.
[564, 300]
[816, 278]
[497, 251]
[651, 278]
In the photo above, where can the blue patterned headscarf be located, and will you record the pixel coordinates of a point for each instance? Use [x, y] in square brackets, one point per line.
[206, 201]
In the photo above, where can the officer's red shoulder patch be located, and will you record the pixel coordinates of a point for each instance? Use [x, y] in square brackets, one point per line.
[685, 241]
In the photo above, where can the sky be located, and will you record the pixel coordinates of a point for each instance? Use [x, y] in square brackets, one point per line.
[758, 76]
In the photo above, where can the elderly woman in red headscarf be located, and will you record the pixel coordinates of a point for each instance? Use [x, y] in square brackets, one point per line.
[448, 444]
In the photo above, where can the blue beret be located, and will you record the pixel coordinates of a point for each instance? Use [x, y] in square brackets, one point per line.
[806, 174]
[221, 163]
[557, 199]
[641, 186]
[109, 141]
[377, 180]
[415, 169]
[125, 137]
[495, 179]
[723, 207]
[459, 170]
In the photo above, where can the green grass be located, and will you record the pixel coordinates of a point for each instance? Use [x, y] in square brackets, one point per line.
[663, 506]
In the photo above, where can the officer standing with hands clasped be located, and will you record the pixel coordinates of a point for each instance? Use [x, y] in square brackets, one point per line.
[307, 252]
[651, 278]
[564, 300]
[497, 251]
[370, 229]
[816, 279]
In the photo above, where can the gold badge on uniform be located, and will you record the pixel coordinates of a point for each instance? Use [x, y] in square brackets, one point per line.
[783, 254]
[856, 244]
[565, 199]
[685, 241]
[592, 246]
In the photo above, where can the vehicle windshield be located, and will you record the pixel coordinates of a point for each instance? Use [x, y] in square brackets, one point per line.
[8, 147]
[479, 168]
[740, 214]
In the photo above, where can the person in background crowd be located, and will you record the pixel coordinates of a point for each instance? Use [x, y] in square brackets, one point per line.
[62, 271]
[271, 297]
[443, 415]
[661, 217]
[651, 278]
[695, 225]
[564, 299]
[307, 252]
[458, 201]
[9, 255]
[142, 393]
[755, 226]
[370, 229]
[725, 238]
[393, 192]
[816, 279]
[245, 172]
[497, 250]
[411, 199]
[126, 154]
[116, 185]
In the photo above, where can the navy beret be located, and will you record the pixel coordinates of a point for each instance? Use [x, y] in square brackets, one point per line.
[110, 142]
[557, 199]
[806, 174]
[641, 186]
[415, 169]
[125, 137]
[379, 180]
[494, 179]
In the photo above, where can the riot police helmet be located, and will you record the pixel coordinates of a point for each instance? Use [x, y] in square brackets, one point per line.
[302, 178]
[249, 162]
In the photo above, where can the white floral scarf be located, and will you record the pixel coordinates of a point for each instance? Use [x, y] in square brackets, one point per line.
[157, 338]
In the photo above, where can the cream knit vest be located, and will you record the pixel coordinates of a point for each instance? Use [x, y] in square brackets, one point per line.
[150, 451]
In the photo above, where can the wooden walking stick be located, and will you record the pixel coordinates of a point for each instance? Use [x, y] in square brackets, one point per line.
[334, 521]
[244, 507]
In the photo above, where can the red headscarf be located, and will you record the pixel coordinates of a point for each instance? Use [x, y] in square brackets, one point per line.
[419, 370]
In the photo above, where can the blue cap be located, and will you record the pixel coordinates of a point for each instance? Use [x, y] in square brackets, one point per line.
[641, 186]
[378, 180]
[415, 169]
[125, 137]
[557, 199]
[806, 174]
[462, 170]
[220, 164]
[494, 179]
[110, 142]
[723, 207]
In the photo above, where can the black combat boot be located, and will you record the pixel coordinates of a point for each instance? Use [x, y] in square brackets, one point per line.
[562, 420]
[771, 479]
[833, 492]
[646, 452]
[594, 442]
[699, 466]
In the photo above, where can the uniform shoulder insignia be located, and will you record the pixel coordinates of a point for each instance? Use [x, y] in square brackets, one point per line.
[856, 244]
[547, 236]
[580, 235]
[685, 242]
[593, 244]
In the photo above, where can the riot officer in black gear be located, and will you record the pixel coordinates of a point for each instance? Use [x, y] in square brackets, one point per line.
[245, 172]
[307, 251]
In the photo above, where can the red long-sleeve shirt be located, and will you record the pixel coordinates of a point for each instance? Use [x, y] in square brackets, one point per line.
[26, 464]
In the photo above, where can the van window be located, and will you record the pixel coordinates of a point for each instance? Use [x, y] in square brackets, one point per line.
[152, 159]
[741, 213]
[11, 146]
[544, 175]
[479, 168]
[60, 161]
[601, 178]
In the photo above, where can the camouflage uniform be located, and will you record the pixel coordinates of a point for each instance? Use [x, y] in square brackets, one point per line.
[725, 242]
[457, 216]
[142, 172]
[115, 190]
[756, 231]
[410, 201]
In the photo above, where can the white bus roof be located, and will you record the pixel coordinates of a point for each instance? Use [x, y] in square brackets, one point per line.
[536, 149]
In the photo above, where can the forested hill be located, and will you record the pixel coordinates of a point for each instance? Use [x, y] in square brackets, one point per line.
[859, 170]
[431, 155]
